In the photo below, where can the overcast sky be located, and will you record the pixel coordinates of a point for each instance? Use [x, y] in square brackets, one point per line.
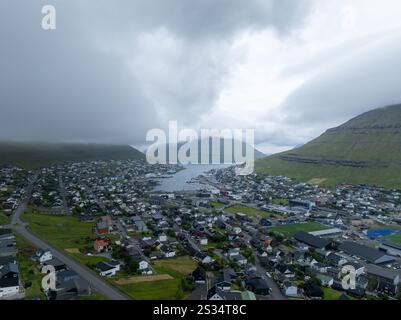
[114, 69]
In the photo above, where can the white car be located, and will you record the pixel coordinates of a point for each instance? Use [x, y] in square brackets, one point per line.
[268, 274]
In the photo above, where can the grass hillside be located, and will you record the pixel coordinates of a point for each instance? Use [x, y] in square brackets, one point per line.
[30, 155]
[366, 149]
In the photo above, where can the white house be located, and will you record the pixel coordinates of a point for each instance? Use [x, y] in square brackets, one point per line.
[108, 269]
[237, 230]
[9, 287]
[9, 279]
[290, 289]
[163, 237]
[240, 260]
[233, 252]
[143, 265]
[42, 255]
[167, 252]
[326, 281]
[203, 241]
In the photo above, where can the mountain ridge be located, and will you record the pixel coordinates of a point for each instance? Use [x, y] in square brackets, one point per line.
[365, 149]
[39, 154]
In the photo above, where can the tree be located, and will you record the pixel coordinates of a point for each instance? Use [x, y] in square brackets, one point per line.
[187, 284]
[398, 297]
[180, 293]
[131, 266]
[372, 284]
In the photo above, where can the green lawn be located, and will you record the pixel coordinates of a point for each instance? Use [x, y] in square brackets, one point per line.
[67, 233]
[89, 261]
[280, 202]
[331, 294]
[155, 290]
[217, 205]
[252, 212]
[4, 219]
[396, 238]
[61, 231]
[30, 275]
[162, 289]
[291, 229]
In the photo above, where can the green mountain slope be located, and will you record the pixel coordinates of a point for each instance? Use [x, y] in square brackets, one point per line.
[35, 155]
[366, 149]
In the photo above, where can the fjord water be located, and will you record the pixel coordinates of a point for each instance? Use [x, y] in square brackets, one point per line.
[181, 180]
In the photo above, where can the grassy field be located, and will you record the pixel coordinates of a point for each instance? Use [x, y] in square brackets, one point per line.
[30, 275]
[396, 238]
[66, 233]
[331, 294]
[280, 202]
[252, 212]
[216, 205]
[183, 265]
[89, 261]
[61, 231]
[4, 219]
[330, 175]
[177, 268]
[70, 234]
[291, 229]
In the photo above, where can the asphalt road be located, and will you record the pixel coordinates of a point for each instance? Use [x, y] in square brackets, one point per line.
[93, 279]
[276, 293]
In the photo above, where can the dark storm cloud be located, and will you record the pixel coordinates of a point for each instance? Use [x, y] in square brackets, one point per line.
[113, 69]
[359, 81]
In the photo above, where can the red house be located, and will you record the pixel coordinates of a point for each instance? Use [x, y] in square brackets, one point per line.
[101, 244]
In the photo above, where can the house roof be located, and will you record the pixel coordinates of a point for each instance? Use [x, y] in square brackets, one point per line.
[258, 283]
[392, 245]
[5, 231]
[382, 272]
[289, 284]
[334, 257]
[102, 266]
[55, 262]
[215, 290]
[9, 282]
[248, 295]
[199, 272]
[102, 242]
[364, 252]
[313, 290]
[66, 275]
[8, 268]
[232, 295]
[7, 259]
[311, 240]
[101, 225]
[239, 257]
